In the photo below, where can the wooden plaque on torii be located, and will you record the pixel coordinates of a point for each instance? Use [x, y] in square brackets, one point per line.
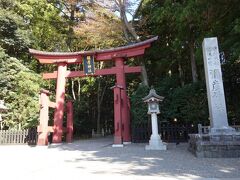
[121, 103]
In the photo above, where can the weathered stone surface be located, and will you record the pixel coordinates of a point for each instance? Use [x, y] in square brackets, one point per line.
[214, 146]
[215, 91]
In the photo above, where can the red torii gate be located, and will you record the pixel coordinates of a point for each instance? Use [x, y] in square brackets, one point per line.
[121, 102]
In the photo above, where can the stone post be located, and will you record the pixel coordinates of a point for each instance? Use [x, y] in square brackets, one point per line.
[222, 141]
[215, 91]
[155, 142]
[154, 125]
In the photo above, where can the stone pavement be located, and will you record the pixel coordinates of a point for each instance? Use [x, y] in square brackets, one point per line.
[96, 159]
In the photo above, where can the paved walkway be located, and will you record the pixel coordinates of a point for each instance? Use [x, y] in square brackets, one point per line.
[96, 159]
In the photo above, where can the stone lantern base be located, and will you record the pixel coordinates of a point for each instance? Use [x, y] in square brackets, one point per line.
[155, 143]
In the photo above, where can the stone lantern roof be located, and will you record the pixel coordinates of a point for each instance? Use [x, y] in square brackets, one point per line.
[152, 96]
[2, 106]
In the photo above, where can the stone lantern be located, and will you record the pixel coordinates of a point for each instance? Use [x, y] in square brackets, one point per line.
[2, 108]
[153, 100]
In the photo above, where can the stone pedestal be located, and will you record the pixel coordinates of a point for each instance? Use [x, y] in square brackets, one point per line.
[215, 146]
[155, 142]
[222, 140]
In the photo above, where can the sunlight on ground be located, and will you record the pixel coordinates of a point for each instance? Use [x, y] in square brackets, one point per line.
[100, 161]
[227, 170]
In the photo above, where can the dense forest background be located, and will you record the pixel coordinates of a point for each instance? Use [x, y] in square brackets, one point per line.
[173, 65]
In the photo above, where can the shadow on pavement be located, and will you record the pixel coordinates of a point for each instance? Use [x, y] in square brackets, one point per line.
[135, 160]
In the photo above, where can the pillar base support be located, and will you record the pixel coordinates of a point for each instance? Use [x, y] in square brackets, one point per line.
[117, 145]
[57, 140]
[42, 142]
[127, 142]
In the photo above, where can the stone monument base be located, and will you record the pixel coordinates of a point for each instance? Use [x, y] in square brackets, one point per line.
[223, 130]
[156, 143]
[215, 145]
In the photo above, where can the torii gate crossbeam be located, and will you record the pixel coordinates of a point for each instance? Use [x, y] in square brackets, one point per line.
[121, 102]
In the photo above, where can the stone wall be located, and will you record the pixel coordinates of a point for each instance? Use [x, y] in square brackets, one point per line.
[215, 146]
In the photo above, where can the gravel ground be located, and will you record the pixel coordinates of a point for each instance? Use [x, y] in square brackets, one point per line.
[96, 159]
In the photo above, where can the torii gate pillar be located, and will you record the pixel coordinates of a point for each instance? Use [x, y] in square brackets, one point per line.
[121, 104]
[44, 108]
[121, 81]
[60, 96]
[118, 130]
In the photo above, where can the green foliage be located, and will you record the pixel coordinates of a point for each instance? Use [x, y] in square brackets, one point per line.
[19, 87]
[57, 26]
[138, 107]
[14, 36]
[166, 85]
[178, 25]
[187, 104]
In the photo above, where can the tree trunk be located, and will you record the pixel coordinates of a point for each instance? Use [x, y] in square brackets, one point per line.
[79, 90]
[128, 28]
[98, 109]
[144, 75]
[72, 89]
[100, 96]
[70, 29]
[180, 71]
[193, 61]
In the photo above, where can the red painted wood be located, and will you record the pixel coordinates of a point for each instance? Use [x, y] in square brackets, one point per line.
[121, 80]
[52, 104]
[117, 115]
[125, 53]
[51, 60]
[129, 117]
[60, 95]
[128, 51]
[98, 72]
[49, 129]
[50, 75]
[43, 133]
[99, 57]
[69, 122]
[121, 104]
[136, 69]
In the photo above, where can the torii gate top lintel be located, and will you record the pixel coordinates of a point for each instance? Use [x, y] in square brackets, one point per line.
[121, 101]
[128, 51]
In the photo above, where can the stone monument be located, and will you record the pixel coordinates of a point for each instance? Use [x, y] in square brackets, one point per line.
[222, 140]
[215, 91]
[155, 142]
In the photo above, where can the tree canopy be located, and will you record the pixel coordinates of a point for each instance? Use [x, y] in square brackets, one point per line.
[174, 64]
